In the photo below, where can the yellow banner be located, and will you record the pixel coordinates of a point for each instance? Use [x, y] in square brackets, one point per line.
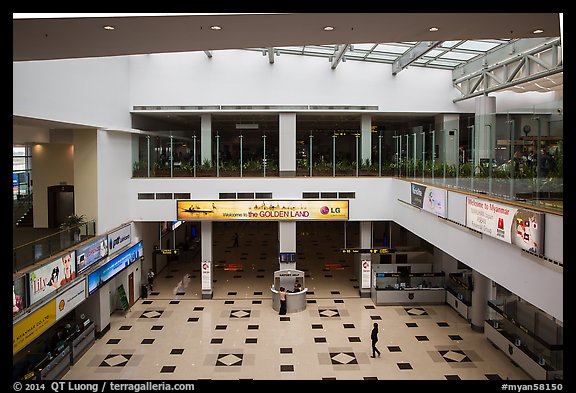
[31, 327]
[262, 210]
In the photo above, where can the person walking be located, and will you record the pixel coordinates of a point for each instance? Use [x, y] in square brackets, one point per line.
[151, 279]
[235, 240]
[282, 301]
[374, 337]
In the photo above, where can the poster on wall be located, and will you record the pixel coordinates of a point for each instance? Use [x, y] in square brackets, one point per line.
[25, 331]
[430, 199]
[67, 301]
[366, 270]
[51, 276]
[91, 253]
[522, 227]
[106, 272]
[119, 239]
[262, 210]
[206, 276]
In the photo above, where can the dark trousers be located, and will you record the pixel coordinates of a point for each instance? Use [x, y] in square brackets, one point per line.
[374, 349]
[282, 307]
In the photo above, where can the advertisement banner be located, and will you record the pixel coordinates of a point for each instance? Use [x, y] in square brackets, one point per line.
[522, 227]
[206, 276]
[91, 253]
[19, 299]
[32, 326]
[262, 210]
[106, 272]
[366, 270]
[70, 299]
[428, 198]
[51, 276]
[119, 239]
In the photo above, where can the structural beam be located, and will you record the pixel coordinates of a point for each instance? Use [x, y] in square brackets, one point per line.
[271, 55]
[413, 54]
[339, 55]
[208, 53]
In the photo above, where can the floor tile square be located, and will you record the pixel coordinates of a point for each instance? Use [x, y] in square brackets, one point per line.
[115, 360]
[157, 327]
[198, 308]
[256, 301]
[455, 337]
[411, 324]
[193, 319]
[320, 339]
[348, 326]
[286, 350]
[177, 351]
[253, 327]
[229, 302]
[175, 302]
[229, 359]
[354, 339]
[168, 369]
[442, 324]
[125, 327]
[286, 368]
[147, 341]
[220, 327]
[422, 338]
[258, 293]
[285, 319]
[251, 341]
[147, 302]
[113, 341]
[216, 341]
[369, 307]
[343, 358]
[338, 301]
[317, 326]
[375, 317]
[404, 366]
[452, 377]
[493, 377]
[394, 348]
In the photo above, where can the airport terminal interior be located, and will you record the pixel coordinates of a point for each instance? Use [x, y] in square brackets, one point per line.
[411, 183]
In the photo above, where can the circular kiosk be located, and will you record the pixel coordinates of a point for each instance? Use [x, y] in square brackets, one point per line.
[293, 281]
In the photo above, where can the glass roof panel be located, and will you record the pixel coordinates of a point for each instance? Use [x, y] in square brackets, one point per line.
[481, 46]
[363, 46]
[458, 55]
[391, 48]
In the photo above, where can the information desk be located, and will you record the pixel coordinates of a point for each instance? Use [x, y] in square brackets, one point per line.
[55, 367]
[81, 341]
[409, 296]
[295, 302]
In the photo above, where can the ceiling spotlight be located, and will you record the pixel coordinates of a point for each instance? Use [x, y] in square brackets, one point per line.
[108, 27]
[538, 31]
[328, 28]
[215, 27]
[433, 29]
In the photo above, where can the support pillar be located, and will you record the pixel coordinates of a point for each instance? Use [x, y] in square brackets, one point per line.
[447, 138]
[484, 128]
[366, 137]
[364, 261]
[206, 265]
[205, 138]
[287, 144]
[480, 295]
[287, 241]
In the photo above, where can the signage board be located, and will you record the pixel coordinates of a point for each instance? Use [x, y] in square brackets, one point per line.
[91, 253]
[430, 199]
[51, 276]
[262, 210]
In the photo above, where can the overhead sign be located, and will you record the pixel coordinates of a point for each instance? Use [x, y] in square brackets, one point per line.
[367, 250]
[521, 227]
[428, 198]
[259, 210]
[175, 251]
[67, 301]
[107, 271]
[119, 239]
[91, 253]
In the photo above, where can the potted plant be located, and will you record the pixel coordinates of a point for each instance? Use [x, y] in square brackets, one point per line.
[72, 223]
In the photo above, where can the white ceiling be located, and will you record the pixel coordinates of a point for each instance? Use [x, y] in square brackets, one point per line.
[57, 37]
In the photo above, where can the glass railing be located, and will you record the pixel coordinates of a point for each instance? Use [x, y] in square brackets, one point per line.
[30, 253]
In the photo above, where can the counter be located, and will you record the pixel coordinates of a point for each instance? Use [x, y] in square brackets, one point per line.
[408, 296]
[51, 369]
[81, 341]
[295, 302]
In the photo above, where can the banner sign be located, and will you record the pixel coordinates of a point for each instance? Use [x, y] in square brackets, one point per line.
[521, 227]
[91, 253]
[32, 326]
[262, 210]
[366, 269]
[119, 239]
[19, 299]
[428, 198]
[51, 276]
[367, 250]
[67, 301]
[107, 271]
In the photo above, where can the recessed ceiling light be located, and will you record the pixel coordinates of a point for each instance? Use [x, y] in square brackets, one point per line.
[538, 31]
[108, 27]
[433, 29]
[215, 27]
[328, 28]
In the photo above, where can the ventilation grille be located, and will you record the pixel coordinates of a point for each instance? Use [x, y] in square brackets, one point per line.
[328, 195]
[254, 107]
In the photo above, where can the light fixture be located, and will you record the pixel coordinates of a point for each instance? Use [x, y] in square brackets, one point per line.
[328, 28]
[108, 27]
[538, 31]
[215, 27]
[433, 29]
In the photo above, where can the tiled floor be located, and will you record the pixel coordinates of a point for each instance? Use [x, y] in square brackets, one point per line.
[173, 334]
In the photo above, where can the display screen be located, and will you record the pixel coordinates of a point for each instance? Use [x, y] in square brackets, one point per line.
[106, 272]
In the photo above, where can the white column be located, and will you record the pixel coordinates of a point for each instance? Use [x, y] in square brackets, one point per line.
[206, 265]
[480, 295]
[484, 127]
[366, 137]
[447, 138]
[287, 241]
[205, 138]
[287, 144]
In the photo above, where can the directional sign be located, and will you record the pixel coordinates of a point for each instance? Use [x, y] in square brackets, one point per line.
[367, 250]
[174, 251]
